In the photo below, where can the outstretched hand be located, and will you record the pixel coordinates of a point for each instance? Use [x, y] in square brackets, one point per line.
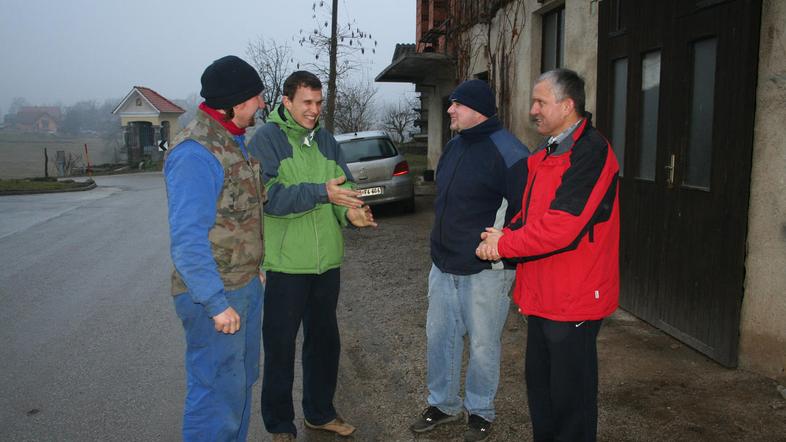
[487, 249]
[341, 196]
[361, 217]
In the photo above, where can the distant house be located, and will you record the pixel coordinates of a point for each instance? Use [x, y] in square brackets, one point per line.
[37, 119]
[149, 119]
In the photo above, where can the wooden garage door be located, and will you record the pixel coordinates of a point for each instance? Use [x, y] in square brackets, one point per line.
[676, 95]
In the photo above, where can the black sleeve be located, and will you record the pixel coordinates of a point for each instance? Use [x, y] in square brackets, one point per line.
[587, 160]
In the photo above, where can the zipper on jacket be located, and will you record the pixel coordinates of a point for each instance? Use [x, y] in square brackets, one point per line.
[529, 194]
[316, 239]
[447, 188]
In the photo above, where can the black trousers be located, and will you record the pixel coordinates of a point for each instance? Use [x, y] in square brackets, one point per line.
[561, 370]
[289, 300]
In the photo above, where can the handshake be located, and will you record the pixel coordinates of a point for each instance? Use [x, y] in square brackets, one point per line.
[487, 249]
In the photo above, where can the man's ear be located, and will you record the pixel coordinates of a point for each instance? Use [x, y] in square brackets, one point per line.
[569, 105]
[286, 102]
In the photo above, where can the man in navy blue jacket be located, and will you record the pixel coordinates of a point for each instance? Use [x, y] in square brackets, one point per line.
[480, 178]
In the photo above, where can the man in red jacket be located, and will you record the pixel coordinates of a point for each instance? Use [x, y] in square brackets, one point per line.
[567, 239]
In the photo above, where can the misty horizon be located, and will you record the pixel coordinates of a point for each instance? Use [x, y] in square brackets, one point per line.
[94, 51]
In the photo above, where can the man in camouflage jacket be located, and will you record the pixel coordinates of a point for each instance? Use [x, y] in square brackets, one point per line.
[215, 207]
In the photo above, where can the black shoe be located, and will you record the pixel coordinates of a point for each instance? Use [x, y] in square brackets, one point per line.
[479, 428]
[431, 417]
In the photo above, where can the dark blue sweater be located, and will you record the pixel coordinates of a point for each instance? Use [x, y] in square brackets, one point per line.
[480, 178]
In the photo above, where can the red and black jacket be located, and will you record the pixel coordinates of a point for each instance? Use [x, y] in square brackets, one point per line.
[567, 232]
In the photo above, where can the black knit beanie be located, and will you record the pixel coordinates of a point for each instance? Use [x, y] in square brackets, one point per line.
[477, 95]
[229, 81]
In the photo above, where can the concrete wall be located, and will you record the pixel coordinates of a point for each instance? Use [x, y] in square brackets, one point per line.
[435, 92]
[581, 45]
[763, 321]
[581, 35]
[581, 53]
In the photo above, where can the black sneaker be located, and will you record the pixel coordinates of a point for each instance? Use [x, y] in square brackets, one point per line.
[479, 428]
[431, 417]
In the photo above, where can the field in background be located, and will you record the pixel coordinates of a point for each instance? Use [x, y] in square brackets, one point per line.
[22, 154]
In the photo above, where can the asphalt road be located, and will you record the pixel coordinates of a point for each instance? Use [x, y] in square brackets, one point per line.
[91, 347]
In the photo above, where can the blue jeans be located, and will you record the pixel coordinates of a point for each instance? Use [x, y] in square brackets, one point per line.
[220, 368]
[474, 305]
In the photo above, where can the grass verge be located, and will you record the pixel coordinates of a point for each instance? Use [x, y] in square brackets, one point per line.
[34, 185]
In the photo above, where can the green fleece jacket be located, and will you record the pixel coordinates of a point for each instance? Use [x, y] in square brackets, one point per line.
[302, 228]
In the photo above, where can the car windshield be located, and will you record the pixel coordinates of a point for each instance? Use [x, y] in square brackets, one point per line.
[367, 149]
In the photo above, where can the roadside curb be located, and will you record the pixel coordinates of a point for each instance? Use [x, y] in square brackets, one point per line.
[91, 185]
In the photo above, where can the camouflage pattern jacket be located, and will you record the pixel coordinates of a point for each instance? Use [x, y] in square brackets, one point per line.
[230, 223]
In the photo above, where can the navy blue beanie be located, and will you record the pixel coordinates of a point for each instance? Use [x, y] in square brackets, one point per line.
[229, 81]
[477, 95]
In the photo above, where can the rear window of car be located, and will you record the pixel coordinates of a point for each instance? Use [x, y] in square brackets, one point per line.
[367, 149]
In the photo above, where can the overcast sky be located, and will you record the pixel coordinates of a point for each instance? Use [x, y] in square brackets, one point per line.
[60, 52]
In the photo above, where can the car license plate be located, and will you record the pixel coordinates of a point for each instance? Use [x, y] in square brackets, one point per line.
[371, 191]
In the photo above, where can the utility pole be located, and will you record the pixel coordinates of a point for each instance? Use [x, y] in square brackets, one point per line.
[331, 102]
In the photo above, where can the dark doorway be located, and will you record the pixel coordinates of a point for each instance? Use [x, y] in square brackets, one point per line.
[139, 140]
[676, 95]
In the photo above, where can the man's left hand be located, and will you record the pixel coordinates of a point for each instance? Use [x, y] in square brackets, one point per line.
[361, 217]
[487, 249]
[342, 197]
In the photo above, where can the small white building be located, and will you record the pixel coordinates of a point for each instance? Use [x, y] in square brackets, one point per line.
[148, 120]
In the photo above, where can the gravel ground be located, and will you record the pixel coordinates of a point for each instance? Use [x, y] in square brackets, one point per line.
[652, 387]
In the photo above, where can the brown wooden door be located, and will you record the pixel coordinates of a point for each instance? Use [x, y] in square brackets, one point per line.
[683, 124]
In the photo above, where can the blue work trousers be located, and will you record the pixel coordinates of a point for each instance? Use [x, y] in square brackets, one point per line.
[221, 368]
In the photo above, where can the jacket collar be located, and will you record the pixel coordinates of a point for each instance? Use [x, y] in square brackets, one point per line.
[219, 117]
[481, 130]
[281, 117]
[566, 143]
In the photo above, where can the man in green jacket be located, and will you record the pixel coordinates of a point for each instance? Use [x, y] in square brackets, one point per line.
[310, 197]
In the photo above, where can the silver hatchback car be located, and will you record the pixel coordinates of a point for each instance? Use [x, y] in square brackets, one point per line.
[380, 171]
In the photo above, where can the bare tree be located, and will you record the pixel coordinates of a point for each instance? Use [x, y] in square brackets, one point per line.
[478, 44]
[72, 163]
[341, 42]
[16, 104]
[355, 109]
[272, 60]
[397, 118]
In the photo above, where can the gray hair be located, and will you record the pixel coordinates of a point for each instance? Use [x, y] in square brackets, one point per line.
[566, 84]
